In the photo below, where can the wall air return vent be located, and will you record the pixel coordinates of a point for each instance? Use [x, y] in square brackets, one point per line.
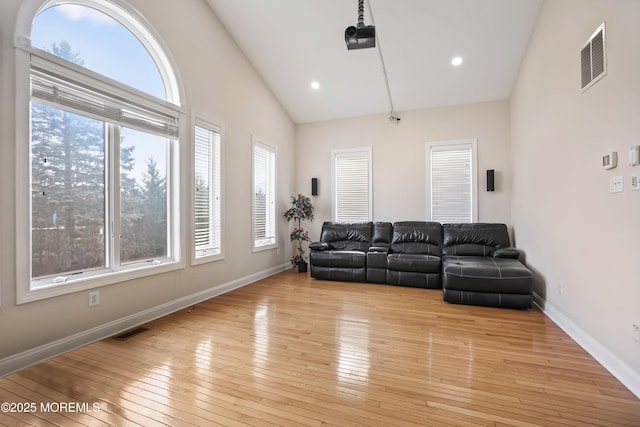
[593, 59]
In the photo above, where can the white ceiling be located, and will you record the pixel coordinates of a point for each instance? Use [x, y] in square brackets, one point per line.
[294, 42]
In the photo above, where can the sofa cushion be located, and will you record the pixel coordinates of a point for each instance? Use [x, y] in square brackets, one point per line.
[420, 263]
[479, 239]
[356, 232]
[485, 274]
[347, 237]
[339, 258]
[417, 237]
[381, 234]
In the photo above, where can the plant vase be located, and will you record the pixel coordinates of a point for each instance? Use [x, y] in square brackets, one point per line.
[302, 267]
[301, 210]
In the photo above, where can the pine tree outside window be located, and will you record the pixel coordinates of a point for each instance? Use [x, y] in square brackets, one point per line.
[103, 195]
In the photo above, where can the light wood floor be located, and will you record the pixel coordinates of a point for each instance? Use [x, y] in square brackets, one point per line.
[294, 351]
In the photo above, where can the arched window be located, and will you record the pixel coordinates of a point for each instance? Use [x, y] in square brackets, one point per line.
[76, 33]
[104, 122]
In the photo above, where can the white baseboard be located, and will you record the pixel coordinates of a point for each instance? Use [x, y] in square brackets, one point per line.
[611, 362]
[47, 351]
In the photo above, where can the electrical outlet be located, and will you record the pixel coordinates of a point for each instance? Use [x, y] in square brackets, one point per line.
[560, 288]
[636, 332]
[94, 298]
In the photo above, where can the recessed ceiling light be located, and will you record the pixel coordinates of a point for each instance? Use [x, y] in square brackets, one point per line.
[315, 85]
[456, 61]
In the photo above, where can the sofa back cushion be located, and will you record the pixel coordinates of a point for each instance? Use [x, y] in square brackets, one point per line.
[348, 236]
[479, 239]
[417, 237]
[381, 234]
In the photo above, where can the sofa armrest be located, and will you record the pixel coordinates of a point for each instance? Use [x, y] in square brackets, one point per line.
[320, 246]
[507, 253]
[379, 248]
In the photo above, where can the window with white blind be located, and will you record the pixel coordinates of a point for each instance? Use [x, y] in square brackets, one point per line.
[453, 184]
[264, 196]
[352, 188]
[207, 191]
[98, 195]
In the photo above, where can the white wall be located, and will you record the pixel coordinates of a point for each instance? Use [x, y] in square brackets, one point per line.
[573, 231]
[220, 83]
[399, 158]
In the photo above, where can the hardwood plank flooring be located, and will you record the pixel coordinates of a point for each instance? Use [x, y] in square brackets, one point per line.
[293, 351]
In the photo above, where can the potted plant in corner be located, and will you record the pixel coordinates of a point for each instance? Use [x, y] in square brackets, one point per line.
[301, 210]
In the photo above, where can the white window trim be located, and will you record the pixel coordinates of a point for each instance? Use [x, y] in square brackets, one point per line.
[255, 141]
[24, 52]
[473, 142]
[357, 150]
[200, 120]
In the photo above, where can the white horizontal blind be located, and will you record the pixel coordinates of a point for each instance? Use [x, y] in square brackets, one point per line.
[264, 216]
[63, 92]
[207, 198]
[352, 185]
[452, 183]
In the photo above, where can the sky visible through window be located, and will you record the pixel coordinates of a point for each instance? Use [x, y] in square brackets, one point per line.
[109, 48]
[105, 46]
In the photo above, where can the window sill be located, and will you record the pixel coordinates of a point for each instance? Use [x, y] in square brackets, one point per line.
[264, 247]
[29, 294]
[207, 258]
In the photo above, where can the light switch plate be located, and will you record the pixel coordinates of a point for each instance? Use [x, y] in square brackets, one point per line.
[616, 184]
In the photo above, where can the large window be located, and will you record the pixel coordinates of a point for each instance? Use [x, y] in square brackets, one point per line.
[452, 178]
[264, 196]
[352, 188]
[101, 154]
[207, 197]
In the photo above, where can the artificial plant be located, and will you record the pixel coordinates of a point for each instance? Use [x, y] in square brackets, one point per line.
[301, 210]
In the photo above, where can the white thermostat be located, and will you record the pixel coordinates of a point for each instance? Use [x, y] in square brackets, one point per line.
[610, 160]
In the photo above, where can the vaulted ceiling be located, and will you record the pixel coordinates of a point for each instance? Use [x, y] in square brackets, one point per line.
[293, 43]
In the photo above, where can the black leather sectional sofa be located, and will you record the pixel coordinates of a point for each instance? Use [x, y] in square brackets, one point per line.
[472, 263]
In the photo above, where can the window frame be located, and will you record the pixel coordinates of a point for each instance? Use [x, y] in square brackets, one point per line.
[351, 152]
[470, 143]
[273, 151]
[127, 16]
[26, 56]
[213, 125]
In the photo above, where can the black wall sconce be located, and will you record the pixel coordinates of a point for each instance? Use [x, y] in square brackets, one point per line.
[314, 186]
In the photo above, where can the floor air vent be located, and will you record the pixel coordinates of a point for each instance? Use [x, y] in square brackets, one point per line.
[131, 333]
[593, 59]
